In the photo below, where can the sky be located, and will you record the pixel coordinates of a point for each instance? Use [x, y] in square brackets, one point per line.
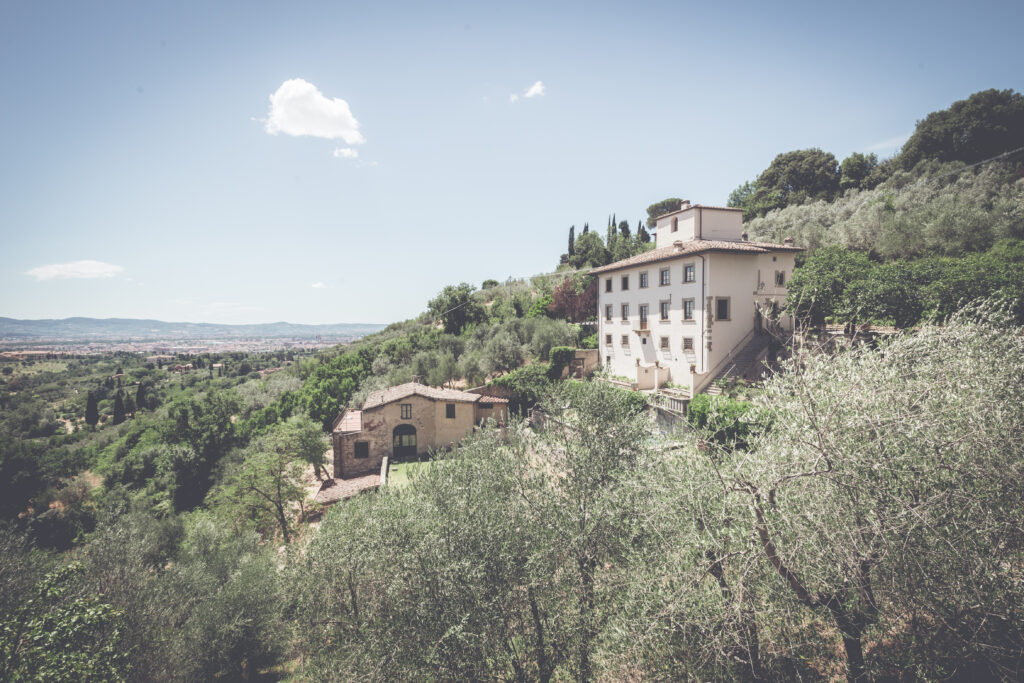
[331, 162]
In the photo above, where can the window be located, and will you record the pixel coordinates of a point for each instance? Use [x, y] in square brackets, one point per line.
[625, 312]
[687, 343]
[689, 273]
[687, 309]
[643, 313]
[666, 278]
[643, 280]
[608, 284]
[675, 223]
[361, 449]
[449, 411]
[663, 344]
[406, 411]
[607, 311]
[625, 340]
[664, 310]
[608, 339]
[607, 360]
[722, 308]
[780, 277]
[625, 283]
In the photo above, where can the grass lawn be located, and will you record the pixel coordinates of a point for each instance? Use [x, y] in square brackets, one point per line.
[400, 472]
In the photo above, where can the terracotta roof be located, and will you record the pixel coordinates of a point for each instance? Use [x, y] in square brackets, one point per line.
[334, 490]
[351, 421]
[392, 394]
[691, 247]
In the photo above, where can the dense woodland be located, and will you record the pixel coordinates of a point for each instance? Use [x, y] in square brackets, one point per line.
[858, 516]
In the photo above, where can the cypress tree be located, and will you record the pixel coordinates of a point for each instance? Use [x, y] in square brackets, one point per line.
[140, 396]
[586, 228]
[118, 409]
[624, 229]
[92, 411]
[572, 240]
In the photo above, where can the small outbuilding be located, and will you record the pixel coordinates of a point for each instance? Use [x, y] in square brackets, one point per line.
[405, 421]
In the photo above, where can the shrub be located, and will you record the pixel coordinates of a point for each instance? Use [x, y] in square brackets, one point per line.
[526, 385]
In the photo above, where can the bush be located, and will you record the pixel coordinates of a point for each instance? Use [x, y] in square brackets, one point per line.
[526, 385]
[725, 421]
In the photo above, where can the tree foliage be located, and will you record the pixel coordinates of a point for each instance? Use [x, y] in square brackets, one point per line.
[456, 307]
[59, 636]
[659, 208]
[984, 125]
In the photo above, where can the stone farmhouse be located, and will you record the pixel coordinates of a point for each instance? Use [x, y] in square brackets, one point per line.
[701, 302]
[405, 421]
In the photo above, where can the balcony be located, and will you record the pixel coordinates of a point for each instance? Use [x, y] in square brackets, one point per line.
[642, 327]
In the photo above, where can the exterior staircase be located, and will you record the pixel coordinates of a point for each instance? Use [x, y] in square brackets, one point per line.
[740, 364]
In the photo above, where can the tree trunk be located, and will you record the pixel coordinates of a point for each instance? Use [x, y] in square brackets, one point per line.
[852, 628]
[586, 569]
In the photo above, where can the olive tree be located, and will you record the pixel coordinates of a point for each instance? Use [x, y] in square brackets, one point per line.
[886, 501]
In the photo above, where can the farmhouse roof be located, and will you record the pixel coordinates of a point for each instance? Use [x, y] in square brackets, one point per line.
[693, 247]
[392, 394]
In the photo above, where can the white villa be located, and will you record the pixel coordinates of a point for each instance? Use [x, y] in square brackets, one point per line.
[694, 306]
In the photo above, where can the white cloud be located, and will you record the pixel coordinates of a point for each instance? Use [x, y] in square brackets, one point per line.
[535, 90]
[299, 108]
[345, 153]
[891, 143]
[75, 269]
[319, 285]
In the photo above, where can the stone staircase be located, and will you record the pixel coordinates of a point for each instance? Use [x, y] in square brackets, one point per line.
[740, 364]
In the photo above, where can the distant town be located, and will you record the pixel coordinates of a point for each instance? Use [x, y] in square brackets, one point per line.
[40, 339]
[19, 349]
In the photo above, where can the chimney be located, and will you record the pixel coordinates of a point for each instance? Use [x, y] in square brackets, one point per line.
[685, 204]
[788, 241]
[678, 245]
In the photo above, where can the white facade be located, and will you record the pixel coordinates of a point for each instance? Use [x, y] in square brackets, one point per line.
[677, 313]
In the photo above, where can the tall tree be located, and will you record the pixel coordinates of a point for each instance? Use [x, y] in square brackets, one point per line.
[140, 396]
[642, 235]
[92, 413]
[624, 230]
[572, 240]
[267, 486]
[118, 408]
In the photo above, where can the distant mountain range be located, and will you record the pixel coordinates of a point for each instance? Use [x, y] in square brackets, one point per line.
[128, 328]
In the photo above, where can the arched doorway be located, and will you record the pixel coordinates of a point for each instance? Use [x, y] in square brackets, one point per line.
[404, 442]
